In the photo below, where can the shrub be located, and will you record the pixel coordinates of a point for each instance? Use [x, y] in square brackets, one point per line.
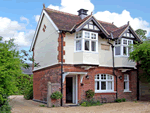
[90, 103]
[28, 94]
[90, 93]
[123, 99]
[42, 105]
[5, 107]
[118, 100]
[56, 95]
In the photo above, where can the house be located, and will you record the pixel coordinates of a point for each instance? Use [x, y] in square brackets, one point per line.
[75, 53]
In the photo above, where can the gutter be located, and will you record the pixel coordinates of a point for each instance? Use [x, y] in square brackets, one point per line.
[112, 46]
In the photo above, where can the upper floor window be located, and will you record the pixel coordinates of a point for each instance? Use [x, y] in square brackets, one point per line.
[86, 41]
[104, 83]
[122, 47]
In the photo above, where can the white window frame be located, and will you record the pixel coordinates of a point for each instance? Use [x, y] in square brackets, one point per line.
[83, 42]
[121, 47]
[106, 80]
[128, 89]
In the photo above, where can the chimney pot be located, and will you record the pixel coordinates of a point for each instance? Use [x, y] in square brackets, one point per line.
[82, 13]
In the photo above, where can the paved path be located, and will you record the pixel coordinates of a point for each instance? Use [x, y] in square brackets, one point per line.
[20, 105]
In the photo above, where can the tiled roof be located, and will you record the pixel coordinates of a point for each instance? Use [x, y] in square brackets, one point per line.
[108, 26]
[119, 31]
[66, 21]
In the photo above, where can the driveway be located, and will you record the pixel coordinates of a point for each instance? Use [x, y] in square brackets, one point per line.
[20, 105]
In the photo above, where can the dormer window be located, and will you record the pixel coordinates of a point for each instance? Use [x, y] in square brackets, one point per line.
[86, 41]
[122, 47]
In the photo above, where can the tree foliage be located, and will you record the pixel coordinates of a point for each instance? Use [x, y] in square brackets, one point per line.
[141, 54]
[10, 68]
[141, 34]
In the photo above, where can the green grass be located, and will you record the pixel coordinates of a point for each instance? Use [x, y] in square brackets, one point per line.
[42, 105]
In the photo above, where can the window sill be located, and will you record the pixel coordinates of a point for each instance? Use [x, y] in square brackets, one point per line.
[105, 91]
[87, 52]
[121, 56]
[126, 91]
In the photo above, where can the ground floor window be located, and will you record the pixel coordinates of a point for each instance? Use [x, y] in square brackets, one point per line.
[104, 83]
[126, 82]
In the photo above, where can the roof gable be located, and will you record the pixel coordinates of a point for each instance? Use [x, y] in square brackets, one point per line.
[89, 19]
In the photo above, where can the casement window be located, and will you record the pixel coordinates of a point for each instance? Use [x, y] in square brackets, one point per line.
[126, 82]
[104, 83]
[86, 41]
[122, 47]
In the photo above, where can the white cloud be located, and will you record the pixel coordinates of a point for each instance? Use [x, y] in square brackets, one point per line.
[23, 18]
[122, 19]
[37, 17]
[13, 29]
[72, 6]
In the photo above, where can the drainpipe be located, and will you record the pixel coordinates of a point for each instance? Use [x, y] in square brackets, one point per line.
[61, 67]
[137, 81]
[112, 46]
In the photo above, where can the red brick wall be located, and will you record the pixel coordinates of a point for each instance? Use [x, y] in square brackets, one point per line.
[40, 79]
[52, 74]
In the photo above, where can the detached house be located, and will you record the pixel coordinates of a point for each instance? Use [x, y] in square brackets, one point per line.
[75, 53]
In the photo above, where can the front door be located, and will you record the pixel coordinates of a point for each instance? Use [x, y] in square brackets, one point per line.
[69, 89]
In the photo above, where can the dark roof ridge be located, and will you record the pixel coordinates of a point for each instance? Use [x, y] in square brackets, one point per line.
[60, 11]
[106, 22]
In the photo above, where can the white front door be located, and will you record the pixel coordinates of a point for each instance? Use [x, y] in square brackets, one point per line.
[75, 89]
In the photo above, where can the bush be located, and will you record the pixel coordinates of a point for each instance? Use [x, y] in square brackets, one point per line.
[90, 93]
[90, 103]
[28, 94]
[5, 107]
[118, 100]
[123, 99]
[56, 95]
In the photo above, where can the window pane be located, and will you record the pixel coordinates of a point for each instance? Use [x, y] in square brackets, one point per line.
[109, 85]
[125, 77]
[104, 76]
[86, 45]
[103, 85]
[97, 76]
[87, 35]
[117, 50]
[93, 46]
[90, 26]
[78, 45]
[97, 85]
[126, 85]
[129, 50]
[125, 42]
[124, 50]
[93, 36]
[129, 42]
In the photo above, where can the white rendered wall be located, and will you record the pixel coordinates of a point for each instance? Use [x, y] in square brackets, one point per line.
[45, 50]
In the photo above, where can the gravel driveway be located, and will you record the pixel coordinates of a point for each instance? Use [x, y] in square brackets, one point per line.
[20, 105]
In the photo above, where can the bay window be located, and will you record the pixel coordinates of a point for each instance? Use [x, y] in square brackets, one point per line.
[86, 41]
[122, 47]
[104, 83]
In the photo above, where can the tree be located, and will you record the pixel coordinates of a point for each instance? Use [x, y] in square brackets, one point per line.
[10, 69]
[141, 34]
[141, 55]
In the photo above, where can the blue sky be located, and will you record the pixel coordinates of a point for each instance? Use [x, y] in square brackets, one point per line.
[18, 18]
